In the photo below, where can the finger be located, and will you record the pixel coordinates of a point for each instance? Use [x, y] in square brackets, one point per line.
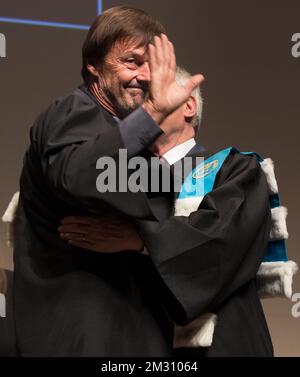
[74, 228]
[195, 81]
[82, 244]
[83, 224]
[159, 55]
[165, 49]
[93, 247]
[152, 57]
[173, 65]
[106, 237]
[116, 225]
[95, 240]
[103, 229]
[86, 219]
[75, 237]
[108, 234]
[95, 234]
[77, 220]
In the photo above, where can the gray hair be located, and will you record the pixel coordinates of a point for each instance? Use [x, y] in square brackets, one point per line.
[182, 76]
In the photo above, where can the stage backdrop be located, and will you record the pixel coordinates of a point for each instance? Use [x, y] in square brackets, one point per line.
[251, 92]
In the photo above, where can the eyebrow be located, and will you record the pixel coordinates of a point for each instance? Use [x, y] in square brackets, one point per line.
[135, 53]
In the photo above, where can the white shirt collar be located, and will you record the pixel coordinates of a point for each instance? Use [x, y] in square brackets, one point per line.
[179, 151]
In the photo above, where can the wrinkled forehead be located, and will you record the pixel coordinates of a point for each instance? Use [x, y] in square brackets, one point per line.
[125, 45]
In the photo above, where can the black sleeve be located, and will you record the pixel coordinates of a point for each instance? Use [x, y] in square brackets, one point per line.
[204, 258]
[138, 131]
[76, 134]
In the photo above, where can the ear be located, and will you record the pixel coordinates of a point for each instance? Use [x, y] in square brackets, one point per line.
[190, 107]
[92, 70]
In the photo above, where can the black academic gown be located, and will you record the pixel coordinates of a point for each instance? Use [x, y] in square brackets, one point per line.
[73, 302]
[7, 326]
[209, 260]
[69, 301]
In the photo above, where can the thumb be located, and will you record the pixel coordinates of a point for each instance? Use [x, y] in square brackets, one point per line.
[194, 81]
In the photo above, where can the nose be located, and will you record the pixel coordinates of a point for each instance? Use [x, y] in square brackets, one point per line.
[144, 72]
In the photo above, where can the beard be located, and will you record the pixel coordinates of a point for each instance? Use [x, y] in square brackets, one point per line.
[126, 104]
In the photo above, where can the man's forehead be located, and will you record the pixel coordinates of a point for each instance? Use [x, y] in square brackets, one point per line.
[130, 45]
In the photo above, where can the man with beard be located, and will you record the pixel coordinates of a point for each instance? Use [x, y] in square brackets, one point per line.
[68, 301]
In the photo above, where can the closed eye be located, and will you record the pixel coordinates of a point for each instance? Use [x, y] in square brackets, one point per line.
[131, 63]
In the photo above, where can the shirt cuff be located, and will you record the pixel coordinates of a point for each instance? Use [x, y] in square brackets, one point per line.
[138, 130]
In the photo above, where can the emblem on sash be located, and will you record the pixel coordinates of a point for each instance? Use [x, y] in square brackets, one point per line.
[203, 171]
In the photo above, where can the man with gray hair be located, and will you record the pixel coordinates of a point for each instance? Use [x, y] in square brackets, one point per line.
[182, 76]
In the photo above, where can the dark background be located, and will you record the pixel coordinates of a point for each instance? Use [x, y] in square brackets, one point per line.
[251, 92]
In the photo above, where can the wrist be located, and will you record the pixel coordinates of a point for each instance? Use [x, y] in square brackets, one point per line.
[157, 115]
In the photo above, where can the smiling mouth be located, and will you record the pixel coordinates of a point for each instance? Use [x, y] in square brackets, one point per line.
[135, 91]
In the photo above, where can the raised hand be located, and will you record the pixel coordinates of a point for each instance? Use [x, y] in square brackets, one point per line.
[165, 95]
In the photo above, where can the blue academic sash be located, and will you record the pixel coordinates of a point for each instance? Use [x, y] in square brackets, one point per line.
[200, 182]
